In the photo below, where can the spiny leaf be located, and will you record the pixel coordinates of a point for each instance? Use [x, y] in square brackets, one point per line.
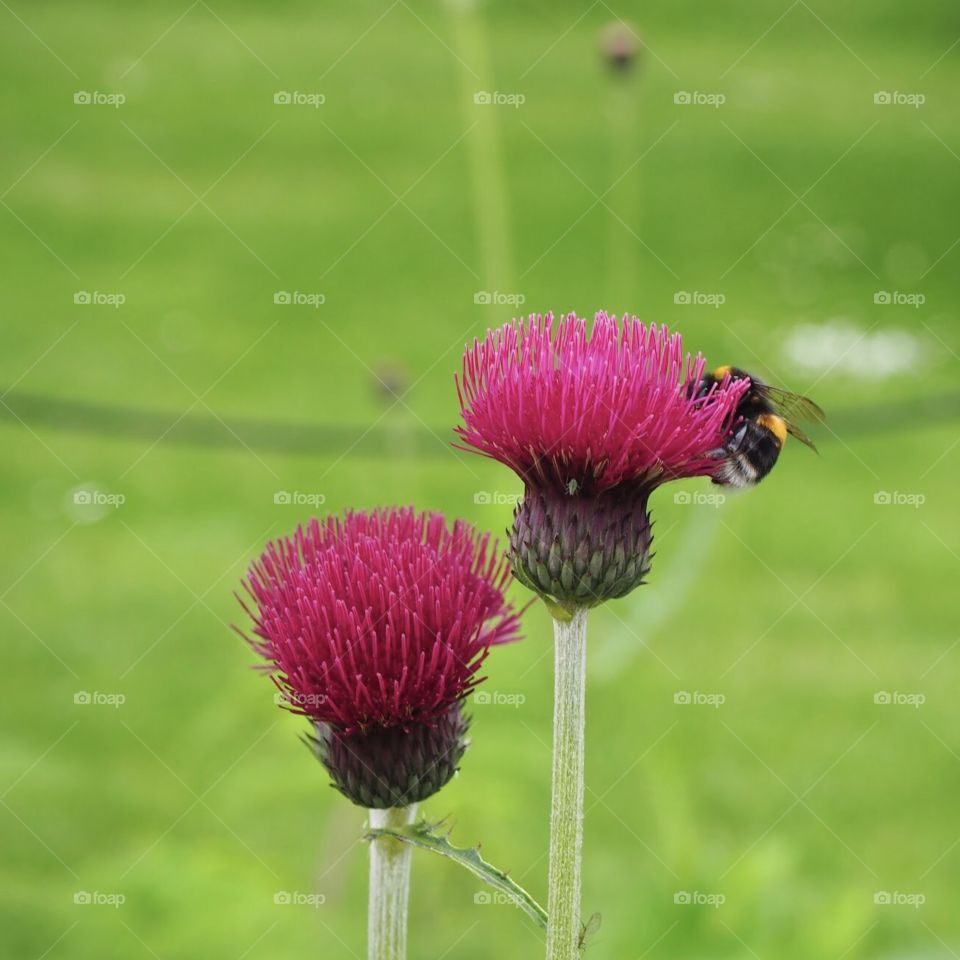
[423, 835]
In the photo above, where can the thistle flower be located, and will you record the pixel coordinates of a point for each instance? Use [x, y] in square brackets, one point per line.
[592, 423]
[374, 626]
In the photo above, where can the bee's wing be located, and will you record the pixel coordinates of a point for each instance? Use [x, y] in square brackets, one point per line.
[791, 405]
[795, 431]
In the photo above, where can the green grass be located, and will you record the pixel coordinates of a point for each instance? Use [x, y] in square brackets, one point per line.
[797, 799]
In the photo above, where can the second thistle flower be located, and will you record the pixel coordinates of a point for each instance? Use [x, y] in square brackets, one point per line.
[374, 626]
[592, 422]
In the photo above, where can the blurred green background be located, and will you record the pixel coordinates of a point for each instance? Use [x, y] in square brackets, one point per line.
[799, 228]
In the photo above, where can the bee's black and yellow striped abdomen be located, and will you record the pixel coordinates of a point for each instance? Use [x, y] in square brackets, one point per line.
[758, 430]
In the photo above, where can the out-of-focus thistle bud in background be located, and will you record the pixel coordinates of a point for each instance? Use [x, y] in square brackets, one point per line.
[621, 46]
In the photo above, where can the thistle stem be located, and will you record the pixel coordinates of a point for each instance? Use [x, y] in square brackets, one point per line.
[566, 812]
[389, 886]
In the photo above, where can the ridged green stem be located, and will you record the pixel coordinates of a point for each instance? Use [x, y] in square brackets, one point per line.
[389, 886]
[566, 812]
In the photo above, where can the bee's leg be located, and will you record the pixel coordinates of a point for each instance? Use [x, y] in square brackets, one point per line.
[733, 444]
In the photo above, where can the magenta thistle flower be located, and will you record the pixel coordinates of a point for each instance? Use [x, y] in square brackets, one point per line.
[592, 422]
[374, 626]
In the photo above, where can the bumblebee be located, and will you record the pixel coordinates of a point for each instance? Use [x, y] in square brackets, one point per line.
[764, 418]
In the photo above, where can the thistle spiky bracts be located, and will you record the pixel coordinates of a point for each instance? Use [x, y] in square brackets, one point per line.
[579, 550]
[384, 767]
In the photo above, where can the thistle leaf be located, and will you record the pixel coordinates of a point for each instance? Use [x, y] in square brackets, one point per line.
[423, 835]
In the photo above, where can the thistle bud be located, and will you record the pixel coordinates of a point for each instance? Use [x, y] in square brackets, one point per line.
[387, 767]
[581, 551]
